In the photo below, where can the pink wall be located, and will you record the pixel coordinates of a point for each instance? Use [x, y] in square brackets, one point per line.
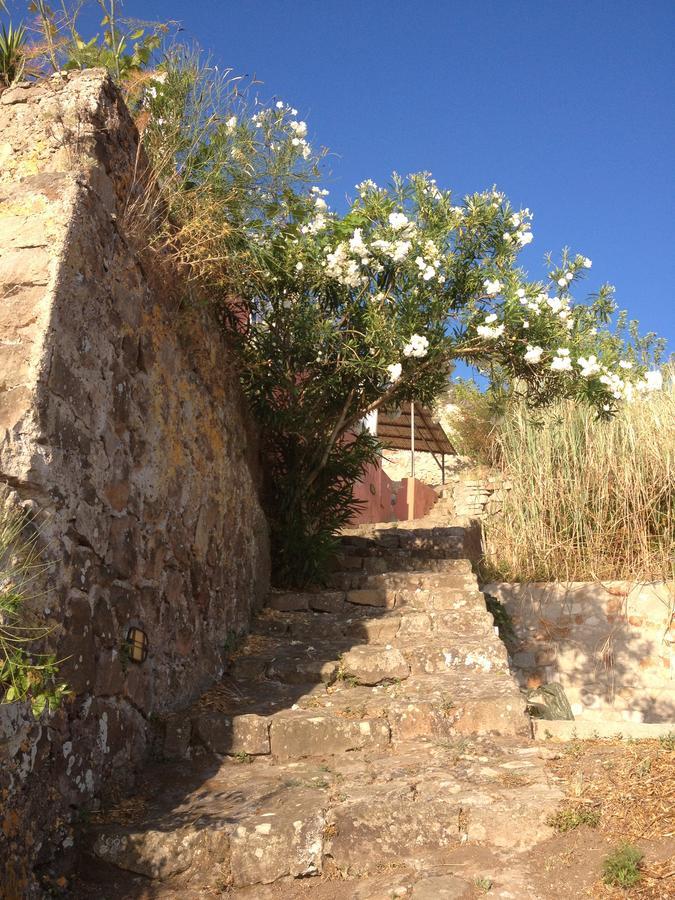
[375, 489]
[420, 498]
[414, 499]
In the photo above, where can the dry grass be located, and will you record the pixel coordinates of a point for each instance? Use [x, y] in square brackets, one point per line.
[590, 500]
[632, 785]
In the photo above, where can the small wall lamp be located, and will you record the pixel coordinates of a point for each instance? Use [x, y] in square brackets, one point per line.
[137, 645]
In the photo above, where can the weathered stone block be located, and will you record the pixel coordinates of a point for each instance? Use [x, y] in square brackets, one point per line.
[234, 734]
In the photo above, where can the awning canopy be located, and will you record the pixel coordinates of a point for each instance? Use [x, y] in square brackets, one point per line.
[395, 431]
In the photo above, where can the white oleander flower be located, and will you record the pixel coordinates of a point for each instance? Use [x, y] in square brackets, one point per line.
[299, 129]
[490, 332]
[356, 244]
[394, 372]
[569, 276]
[525, 237]
[562, 282]
[561, 364]
[625, 364]
[589, 367]
[492, 287]
[491, 318]
[520, 293]
[587, 263]
[231, 124]
[398, 221]
[417, 346]
[400, 251]
[533, 354]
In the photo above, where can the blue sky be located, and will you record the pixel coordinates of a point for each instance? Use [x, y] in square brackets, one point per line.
[567, 106]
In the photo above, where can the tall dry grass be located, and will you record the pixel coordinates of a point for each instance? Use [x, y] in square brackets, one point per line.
[590, 500]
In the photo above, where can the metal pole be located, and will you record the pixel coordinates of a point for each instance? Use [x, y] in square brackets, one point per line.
[412, 439]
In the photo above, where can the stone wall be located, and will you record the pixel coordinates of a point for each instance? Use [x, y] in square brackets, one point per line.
[124, 434]
[611, 646]
[396, 464]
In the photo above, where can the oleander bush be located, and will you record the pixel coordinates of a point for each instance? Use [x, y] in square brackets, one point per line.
[333, 316]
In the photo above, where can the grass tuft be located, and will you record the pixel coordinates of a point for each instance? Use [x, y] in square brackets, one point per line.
[622, 867]
[572, 817]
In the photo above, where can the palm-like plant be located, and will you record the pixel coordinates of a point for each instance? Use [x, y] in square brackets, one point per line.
[12, 57]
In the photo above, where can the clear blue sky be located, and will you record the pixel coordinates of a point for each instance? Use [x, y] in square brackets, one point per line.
[567, 106]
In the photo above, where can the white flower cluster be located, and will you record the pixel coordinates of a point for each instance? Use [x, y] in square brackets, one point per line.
[366, 187]
[394, 372]
[428, 269]
[394, 250]
[580, 262]
[521, 223]
[561, 362]
[489, 330]
[399, 221]
[589, 367]
[297, 129]
[318, 223]
[492, 287]
[417, 346]
[533, 354]
[559, 306]
[343, 269]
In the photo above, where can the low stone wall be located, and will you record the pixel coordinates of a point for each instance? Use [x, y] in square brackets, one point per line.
[611, 646]
[396, 463]
[124, 434]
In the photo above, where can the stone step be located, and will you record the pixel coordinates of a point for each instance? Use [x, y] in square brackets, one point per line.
[360, 625]
[371, 664]
[306, 720]
[349, 580]
[381, 596]
[377, 565]
[229, 826]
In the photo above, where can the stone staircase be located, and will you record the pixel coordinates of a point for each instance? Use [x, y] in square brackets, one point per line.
[369, 732]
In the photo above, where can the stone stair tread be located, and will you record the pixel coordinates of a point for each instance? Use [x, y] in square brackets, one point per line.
[268, 699]
[366, 727]
[388, 625]
[258, 823]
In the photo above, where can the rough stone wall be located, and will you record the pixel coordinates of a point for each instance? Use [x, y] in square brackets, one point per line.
[396, 463]
[611, 646]
[124, 434]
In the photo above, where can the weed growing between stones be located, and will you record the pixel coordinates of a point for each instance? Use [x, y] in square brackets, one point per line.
[25, 672]
[573, 817]
[622, 867]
